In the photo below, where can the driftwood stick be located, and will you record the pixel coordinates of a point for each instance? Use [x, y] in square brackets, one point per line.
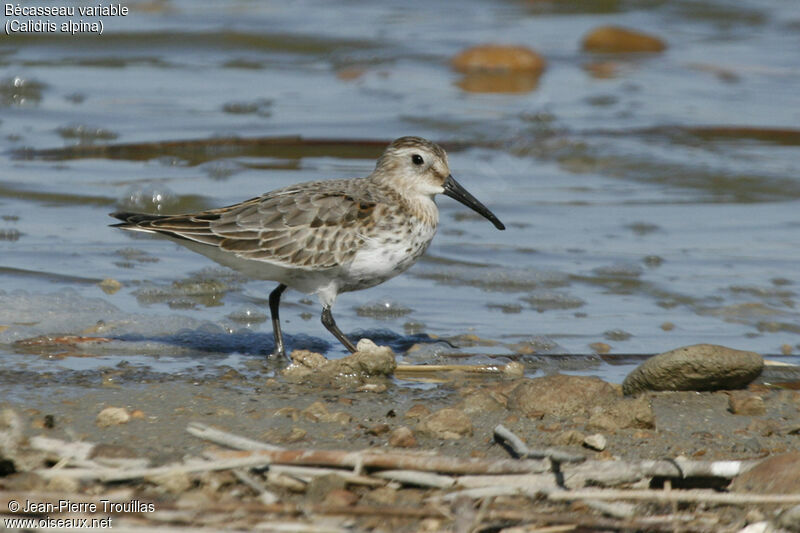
[389, 461]
[421, 479]
[610, 473]
[545, 481]
[504, 434]
[429, 369]
[231, 440]
[307, 473]
[121, 474]
[695, 495]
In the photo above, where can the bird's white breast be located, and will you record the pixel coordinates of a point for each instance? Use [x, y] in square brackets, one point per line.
[386, 255]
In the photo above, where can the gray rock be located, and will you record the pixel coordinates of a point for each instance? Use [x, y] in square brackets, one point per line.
[698, 367]
[595, 442]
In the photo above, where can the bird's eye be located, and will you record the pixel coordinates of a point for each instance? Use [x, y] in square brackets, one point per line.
[417, 159]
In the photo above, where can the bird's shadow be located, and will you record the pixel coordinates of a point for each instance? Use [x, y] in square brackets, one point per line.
[254, 343]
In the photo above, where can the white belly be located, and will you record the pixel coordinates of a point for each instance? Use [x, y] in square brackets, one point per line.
[384, 257]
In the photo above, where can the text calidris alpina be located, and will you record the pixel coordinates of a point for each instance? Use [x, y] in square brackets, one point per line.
[326, 237]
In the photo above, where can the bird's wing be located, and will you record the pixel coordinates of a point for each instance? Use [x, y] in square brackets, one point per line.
[312, 225]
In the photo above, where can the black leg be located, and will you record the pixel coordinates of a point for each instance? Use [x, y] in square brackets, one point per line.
[330, 323]
[274, 304]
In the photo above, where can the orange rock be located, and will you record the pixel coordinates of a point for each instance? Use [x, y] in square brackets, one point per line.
[610, 39]
[495, 57]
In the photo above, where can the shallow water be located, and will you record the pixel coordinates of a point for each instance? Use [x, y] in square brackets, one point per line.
[647, 210]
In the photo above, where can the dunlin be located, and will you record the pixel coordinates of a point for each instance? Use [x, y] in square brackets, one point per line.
[326, 237]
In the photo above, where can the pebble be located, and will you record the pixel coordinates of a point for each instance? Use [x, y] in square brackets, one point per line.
[494, 68]
[571, 437]
[340, 498]
[378, 429]
[447, 423]
[318, 412]
[112, 416]
[402, 437]
[483, 401]
[320, 487]
[746, 404]
[612, 39]
[514, 369]
[560, 395]
[495, 57]
[623, 413]
[699, 367]
[600, 347]
[369, 360]
[110, 286]
[172, 482]
[418, 411]
[595, 442]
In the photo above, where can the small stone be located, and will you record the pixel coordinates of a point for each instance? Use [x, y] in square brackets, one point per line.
[296, 434]
[746, 404]
[667, 326]
[112, 416]
[112, 451]
[499, 69]
[603, 422]
[560, 395]
[446, 423]
[624, 413]
[341, 417]
[699, 367]
[372, 387]
[319, 487]
[611, 39]
[304, 364]
[493, 57]
[402, 437]
[340, 498]
[514, 368]
[786, 349]
[484, 401]
[290, 412]
[417, 411]
[571, 437]
[316, 412]
[172, 482]
[382, 496]
[600, 347]
[110, 286]
[595, 442]
[378, 429]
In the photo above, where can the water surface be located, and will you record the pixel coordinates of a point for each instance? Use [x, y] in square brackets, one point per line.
[648, 207]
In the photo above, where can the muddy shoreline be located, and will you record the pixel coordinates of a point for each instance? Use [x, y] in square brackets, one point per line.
[454, 417]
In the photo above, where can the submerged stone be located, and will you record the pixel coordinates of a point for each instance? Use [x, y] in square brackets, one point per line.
[612, 39]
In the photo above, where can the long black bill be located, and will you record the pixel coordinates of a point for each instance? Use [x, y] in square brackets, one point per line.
[457, 192]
